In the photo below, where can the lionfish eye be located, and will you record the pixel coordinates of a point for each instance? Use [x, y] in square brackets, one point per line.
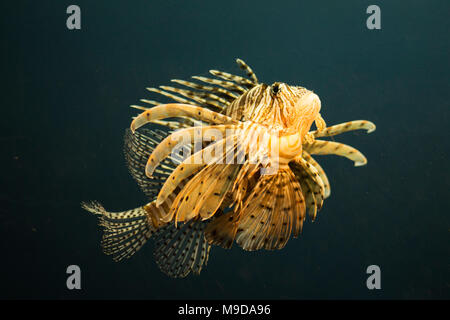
[275, 88]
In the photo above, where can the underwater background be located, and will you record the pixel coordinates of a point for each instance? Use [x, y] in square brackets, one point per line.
[65, 98]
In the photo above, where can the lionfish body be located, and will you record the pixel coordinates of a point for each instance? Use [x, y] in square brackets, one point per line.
[255, 187]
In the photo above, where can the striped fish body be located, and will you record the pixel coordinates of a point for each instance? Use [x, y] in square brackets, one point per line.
[255, 192]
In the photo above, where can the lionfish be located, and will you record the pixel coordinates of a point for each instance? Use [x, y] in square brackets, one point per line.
[218, 200]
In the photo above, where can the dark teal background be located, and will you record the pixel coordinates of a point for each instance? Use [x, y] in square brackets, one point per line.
[65, 97]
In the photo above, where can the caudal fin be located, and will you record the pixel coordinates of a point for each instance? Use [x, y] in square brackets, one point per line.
[179, 250]
[124, 232]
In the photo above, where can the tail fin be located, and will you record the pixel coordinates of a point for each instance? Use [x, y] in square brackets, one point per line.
[124, 232]
[178, 250]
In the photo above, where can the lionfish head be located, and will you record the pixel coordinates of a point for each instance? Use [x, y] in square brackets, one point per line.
[304, 111]
[292, 108]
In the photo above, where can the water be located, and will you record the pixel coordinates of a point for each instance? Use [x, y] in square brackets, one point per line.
[65, 108]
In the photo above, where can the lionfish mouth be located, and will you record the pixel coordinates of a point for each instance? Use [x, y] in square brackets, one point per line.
[218, 193]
